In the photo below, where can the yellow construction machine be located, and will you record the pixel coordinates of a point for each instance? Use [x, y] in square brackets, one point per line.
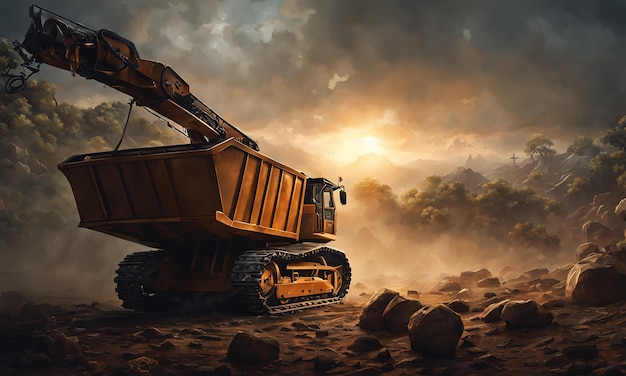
[222, 216]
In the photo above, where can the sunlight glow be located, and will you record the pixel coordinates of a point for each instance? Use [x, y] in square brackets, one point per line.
[371, 143]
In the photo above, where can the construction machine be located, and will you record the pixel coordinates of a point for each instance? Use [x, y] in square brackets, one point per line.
[221, 216]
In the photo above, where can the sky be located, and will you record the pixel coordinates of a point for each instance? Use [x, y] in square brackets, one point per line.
[405, 79]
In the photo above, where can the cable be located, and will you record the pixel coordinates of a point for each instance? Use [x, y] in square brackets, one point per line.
[130, 109]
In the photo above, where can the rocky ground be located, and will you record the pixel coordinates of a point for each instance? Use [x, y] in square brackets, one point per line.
[98, 339]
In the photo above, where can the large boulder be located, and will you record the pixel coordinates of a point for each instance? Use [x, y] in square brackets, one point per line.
[561, 273]
[535, 273]
[597, 280]
[435, 330]
[250, 348]
[596, 232]
[525, 314]
[471, 277]
[585, 250]
[488, 282]
[371, 317]
[493, 312]
[399, 310]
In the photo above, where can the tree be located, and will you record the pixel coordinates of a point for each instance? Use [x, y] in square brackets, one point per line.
[539, 144]
[583, 145]
[615, 136]
[528, 234]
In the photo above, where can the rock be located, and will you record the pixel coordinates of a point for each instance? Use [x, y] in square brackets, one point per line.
[166, 345]
[535, 273]
[221, 370]
[464, 294]
[596, 232]
[399, 310]
[195, 344]
[459, 306]
[30, 359]
[584, 352]
[596, 280]
[371, 317]
[321, 333]
[554, 303]
[324, 363]
[435, 330]
[525, 314]
[383, 356]
[543, 284]
[450, 286]
[359, 285]
[620, 209]
[493, 313]
[152, 332]
[250, 348]
[489, 282]
[561, 273]
[364, 344]
[413, 293]
[367, 371]
[489, 294]
[472, 277]
[58, 347]
[616, 370]
[144, 366]
[585, 250]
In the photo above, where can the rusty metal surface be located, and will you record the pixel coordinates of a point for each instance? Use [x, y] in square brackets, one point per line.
[172, 196]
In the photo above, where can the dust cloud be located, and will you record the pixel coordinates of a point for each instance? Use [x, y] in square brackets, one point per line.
[391, 244]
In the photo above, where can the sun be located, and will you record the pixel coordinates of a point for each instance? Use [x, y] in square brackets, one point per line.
[371, 143]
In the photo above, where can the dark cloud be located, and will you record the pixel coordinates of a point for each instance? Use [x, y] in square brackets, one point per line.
[479, 68]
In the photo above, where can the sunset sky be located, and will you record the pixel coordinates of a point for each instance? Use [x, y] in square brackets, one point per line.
[405, 79]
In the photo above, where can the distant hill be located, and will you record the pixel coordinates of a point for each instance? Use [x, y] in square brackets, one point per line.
[548, 176]
[483, 164]
[471, 179]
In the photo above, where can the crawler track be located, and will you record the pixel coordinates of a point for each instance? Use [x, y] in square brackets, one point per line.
[248, 268]
[133, 274]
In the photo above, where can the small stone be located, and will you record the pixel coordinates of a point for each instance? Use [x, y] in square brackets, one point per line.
[166, 345]
[475, 350]
[152, 332]
[383, 356]
[195, 344]
[324, 363]
[489, 294]
[321, 333]
[364, 344]
[549, 350]
[583, 352]
[144, 366]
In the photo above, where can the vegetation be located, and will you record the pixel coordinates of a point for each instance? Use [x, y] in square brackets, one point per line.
[583, 145]
[441, 207]
[539, 144]
[615, 136]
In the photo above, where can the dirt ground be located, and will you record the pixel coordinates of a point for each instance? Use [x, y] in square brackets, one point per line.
[106, 340]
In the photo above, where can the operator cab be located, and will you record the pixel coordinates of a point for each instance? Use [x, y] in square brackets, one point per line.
[318, 222]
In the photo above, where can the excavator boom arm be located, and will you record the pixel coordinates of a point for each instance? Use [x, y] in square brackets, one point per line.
[113, 60]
